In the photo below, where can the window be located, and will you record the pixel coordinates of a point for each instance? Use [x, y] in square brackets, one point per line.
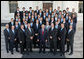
[13, 6]
[80, 7]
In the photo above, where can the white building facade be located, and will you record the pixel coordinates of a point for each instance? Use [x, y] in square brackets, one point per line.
[6, 15]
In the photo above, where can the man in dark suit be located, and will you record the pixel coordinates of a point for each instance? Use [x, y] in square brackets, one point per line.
[12, 23]
[70, 38]
[61, 37]
[42, 38]
[29, 37]
[74, 21]
[44, 17]
[23, 12]
[57, 27]
[53, 39]
[40, 13]
[30, 10]
[12, 39]
[16, 12]
[37, 11]
[58, 9]
[50, 11]
[47, 27]
[7, 38]
[22, 37]
[36, 30]
[16, 35]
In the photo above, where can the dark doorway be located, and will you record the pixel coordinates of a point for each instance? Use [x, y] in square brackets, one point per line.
[47, 5]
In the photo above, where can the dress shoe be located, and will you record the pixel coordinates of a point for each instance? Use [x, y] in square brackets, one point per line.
[70, 53]
[17, 50]
[67, 51]
[12, 53]
[7, 51]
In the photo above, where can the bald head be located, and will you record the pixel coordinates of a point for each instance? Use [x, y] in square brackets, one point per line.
[7, 26]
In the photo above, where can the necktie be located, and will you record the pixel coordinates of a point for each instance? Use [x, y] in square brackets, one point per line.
[31, 24]
[26, 26]
[23, 30]
[52, 29]
[8, 30]
[12, 23]
[61, 29]
[69, 31]
[55, 19]
[56, 26]
[61, 20]
[37, 26]
[29, 29]
[42, 32]
[16, 26]
[13, 31]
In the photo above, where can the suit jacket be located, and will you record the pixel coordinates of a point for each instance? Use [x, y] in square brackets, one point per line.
[37, 12]
[41, 15]
[22, 14]
[42, 37]
[36, 30]
[16, 13]
[12, 36]
[7, 35]
[50, 12]
[75, 20]
[10, 24]
[16, 31]
[70, 36]
[21, 35]
[62, 34]
[53, 33]
[29, 34]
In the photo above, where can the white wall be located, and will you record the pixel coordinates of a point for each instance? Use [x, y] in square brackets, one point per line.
[70, 4]
[56, 4]
[25, 4]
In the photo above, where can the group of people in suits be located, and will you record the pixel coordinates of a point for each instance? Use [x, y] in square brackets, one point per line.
[47, 28]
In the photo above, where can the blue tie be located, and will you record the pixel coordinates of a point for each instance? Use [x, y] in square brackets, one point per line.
[56, 26]
[61, 29]
[13, 31]
[37, 26]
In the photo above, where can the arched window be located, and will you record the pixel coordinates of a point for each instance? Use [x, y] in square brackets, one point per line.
[12, 6]
[80, 7]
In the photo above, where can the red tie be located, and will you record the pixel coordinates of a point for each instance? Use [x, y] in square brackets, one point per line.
[42, 32]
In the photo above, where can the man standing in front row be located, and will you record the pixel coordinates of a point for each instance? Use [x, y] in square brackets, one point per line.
[53, 39]
[61, 37]
[21, 35]
[29, 38]
[7, 38]
[42, 38]
[70, 38]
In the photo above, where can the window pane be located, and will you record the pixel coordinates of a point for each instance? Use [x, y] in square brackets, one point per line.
[80, 6]
[13, 5]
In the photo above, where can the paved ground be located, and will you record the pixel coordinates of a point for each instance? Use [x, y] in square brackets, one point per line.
[78, 47]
